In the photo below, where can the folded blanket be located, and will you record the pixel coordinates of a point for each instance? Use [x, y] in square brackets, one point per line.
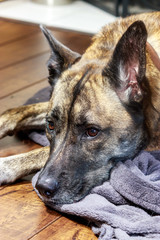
[128, 205]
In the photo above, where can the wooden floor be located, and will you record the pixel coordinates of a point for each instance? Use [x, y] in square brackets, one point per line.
[23, 54]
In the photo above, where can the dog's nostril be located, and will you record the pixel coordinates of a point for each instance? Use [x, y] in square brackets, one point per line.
[47, 187]
[47, 193]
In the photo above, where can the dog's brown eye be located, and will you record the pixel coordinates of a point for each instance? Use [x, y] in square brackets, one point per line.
[51, 126]
[92, 132]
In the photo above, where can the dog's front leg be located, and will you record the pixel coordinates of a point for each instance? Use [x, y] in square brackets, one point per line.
[22, 118]
[17, 166]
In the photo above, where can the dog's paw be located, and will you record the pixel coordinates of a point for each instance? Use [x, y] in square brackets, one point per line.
[8, 172]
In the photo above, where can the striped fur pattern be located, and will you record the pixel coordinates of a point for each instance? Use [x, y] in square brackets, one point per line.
[104, 106]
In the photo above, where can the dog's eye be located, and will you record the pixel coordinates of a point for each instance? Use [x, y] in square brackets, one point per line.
[92, 132]
[51, 126]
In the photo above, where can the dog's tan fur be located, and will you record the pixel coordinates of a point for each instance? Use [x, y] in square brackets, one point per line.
[113, 32]
[82, 93]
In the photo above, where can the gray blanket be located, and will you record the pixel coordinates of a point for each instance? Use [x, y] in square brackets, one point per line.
[127, 207]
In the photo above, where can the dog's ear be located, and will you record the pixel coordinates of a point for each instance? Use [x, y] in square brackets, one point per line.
[61, 56]
[128, 64]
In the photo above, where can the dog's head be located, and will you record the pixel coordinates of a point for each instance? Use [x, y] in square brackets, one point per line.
[95, 116]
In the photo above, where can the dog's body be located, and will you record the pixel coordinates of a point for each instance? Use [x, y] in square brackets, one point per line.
[105, 107]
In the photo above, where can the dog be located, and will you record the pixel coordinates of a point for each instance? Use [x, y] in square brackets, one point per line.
[104, 108]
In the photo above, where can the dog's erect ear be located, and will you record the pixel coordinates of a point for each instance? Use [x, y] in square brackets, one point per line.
[128, 64]
[61, 56]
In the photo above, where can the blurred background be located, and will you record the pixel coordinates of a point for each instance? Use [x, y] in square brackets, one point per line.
[126, 7]
[82, 16]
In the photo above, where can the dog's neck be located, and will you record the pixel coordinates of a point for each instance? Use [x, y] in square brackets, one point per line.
[153, 55]
[152, 108]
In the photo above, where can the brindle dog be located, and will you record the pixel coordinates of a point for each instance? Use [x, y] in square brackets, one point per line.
[105, 107]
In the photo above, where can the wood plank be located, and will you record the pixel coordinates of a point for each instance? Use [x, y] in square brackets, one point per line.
[36, 43]
[22, 49]
[14, 145]
[19, 98]
[23, 214]
[22, 75]
[76, 41]
[66, 229]
[10, 31]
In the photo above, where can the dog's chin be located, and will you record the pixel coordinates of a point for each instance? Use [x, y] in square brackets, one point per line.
[58, 203]
[58, 199]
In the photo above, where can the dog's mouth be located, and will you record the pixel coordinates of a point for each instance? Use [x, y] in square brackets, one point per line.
[58, 203]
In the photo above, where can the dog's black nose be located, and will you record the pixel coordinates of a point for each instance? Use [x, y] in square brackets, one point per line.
[47, 187]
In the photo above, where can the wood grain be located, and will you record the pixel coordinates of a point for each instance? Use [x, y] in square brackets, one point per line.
[65, 229]
[25, 48]
[10, 31]
[22, 75]
[16, 145]
[22, 213]
[20, 97]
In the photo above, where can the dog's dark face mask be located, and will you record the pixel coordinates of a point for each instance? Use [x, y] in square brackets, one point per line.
[95, 116]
